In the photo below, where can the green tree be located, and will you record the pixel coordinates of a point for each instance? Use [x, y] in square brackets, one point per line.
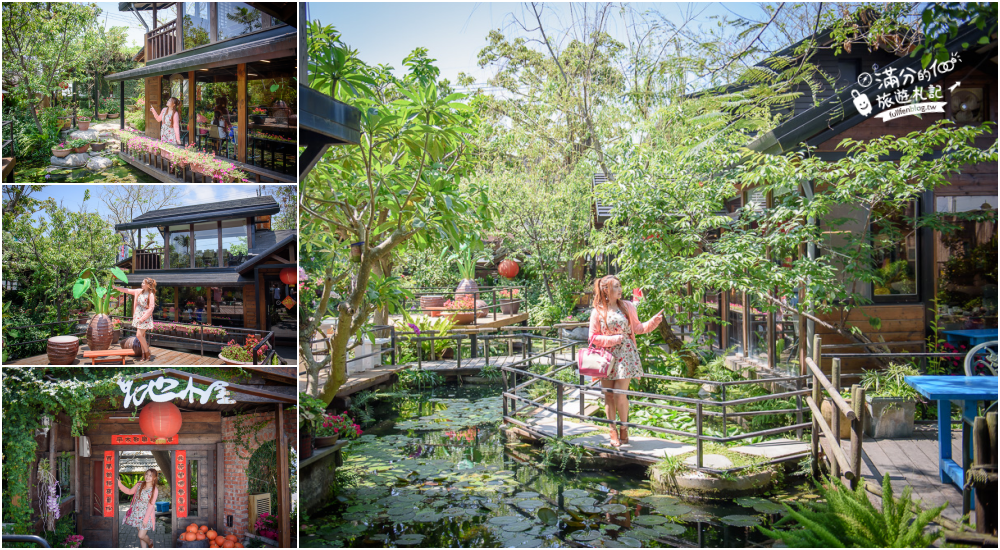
[399, 187]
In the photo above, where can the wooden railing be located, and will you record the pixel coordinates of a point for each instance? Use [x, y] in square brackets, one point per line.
[147, 258]
[828, 437]
[163, 168]
[161, 41]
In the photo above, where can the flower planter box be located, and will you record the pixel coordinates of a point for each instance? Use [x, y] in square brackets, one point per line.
[889, 417]
[60, 153]
[328, 441]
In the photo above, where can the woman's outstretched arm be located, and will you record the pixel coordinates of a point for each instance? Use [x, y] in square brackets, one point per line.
[132, 291]
[157, 116]
[125, 489]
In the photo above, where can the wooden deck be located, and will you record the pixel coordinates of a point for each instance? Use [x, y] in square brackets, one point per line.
[161, 356]
[914, 462]
[502, 320]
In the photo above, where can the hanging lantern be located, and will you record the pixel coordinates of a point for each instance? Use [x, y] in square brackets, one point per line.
[160, 421]
[287, 275]
[508, 268]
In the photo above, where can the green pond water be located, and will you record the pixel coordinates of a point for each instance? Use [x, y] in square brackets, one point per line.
[121, 172]
[435, 470]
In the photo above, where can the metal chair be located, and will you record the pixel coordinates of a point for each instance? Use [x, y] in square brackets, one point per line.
[990, 360]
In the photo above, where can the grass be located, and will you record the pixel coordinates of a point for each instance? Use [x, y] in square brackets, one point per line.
[673, 465]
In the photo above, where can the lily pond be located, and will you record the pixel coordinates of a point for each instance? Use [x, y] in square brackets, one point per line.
[436, 470]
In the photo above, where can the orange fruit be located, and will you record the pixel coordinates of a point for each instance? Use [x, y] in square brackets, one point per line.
[189, 536]
[228, 544]
[203, 528]
[211, 534]
[199, 536]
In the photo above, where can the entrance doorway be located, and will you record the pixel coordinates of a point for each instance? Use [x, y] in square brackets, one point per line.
[280, 318]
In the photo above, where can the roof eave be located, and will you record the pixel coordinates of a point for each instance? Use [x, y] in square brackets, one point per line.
[200, 217]
[260, 257]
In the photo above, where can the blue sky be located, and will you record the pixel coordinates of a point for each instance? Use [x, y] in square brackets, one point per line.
[111, 17]
[71, 196]
[455, 32]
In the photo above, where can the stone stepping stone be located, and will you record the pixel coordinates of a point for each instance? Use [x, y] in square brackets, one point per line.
[717, 462]
[773, 449]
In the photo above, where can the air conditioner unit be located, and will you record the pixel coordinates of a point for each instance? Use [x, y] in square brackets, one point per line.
[259, 504]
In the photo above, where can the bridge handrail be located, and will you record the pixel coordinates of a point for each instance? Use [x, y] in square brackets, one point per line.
[823, 434]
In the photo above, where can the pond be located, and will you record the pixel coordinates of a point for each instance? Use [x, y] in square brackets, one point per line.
[120, 172]
[434, 471]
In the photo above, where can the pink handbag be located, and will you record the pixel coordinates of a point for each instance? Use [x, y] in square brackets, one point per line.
[594, 362]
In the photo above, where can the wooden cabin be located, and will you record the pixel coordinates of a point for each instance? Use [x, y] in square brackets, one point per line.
[217, 264]
[232, 65]
[216, 466]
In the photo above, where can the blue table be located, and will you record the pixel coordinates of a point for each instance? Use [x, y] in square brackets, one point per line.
[974, 337]
[945, 389]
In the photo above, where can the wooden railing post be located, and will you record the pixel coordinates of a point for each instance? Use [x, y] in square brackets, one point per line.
[486, 349]
[816, 393]
[835, 379]
[458, 352]
[559, 411]
[503, 375]
[857, 434]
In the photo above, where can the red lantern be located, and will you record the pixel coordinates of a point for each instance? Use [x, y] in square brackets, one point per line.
[288, 275]
[508, 268]
[160, 421]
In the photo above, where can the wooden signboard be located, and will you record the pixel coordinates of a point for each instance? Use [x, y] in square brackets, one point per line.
[180, 484]
[109, 484]
[139, 439]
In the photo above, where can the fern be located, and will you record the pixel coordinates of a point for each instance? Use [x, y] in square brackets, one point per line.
[848, 519]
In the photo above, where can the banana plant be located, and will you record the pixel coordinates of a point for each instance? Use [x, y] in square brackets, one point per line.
[101, 296]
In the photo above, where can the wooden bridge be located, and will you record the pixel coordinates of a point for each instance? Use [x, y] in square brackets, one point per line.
[160, 356]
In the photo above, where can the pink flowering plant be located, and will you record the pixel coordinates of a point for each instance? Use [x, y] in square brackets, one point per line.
[338, 424]
[267, 525]
[73, 541]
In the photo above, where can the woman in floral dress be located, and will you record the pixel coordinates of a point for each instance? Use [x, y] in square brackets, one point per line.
[142, 513]
[142, 313]
[613, 324]
[170, 122]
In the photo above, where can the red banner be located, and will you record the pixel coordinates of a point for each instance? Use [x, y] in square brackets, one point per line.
[139, 439]
[109, 484]
[180, 484]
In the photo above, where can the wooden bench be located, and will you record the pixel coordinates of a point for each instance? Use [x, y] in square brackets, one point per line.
[107, 356]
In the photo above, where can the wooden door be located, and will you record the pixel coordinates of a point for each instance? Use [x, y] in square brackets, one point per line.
[98, 530]
[152, 100]
[201, 490]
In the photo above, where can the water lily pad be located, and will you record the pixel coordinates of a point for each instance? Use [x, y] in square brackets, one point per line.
[582, 501]
[637, 493]
[531, 504]
[410, 539]
[673, 509]
[768, 507]
[624, 542]
[526, 494]
[586, 536]
[454, 512]
[740, 520]
[547, 516]
[505, 520]
[655, 500]
[643, 533]
[522, 541]
[649, 520]
[574, 493]
[669, 529]
[749, 501]
[614, 508]
[522, 525]
[426, 516]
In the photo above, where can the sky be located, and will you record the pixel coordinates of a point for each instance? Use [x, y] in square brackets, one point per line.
[455, 32]
[111, 17]
[71, 196]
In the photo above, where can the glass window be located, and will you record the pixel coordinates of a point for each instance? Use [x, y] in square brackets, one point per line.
[845, 234]
[966, 254]
[217, 118]
[180, 247]
[271, 105]
[206, 244]
[166, 302]
[237, 18]
[227, 306]
[194, 304]
[894, 237]
[196, 24]
[234, 242]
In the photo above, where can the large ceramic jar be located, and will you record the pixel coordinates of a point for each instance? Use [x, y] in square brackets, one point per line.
[99, 333]
[62, 350]
[467, 286]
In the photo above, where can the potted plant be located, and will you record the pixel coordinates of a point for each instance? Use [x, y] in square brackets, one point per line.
[334, 427]
[236, 354]
[79, 145]
[99, 331]
[510, 302]
[98, 144]
[461, 310]
[110, 106]
[116, 330]
[257, 115]
[311, 413]
[466, 259]
[83, 122]
[890, 402]
[62, 150]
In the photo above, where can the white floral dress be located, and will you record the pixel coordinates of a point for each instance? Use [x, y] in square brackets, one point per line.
[142, 306]
[139, 508]
[626, 362]
[167, 134]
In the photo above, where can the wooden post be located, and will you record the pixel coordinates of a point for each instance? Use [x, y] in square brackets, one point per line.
[803, 338]
[724, 318]
[192, 120]
[559, 410]
[857, 432]
[284, 527]
[835, 380]
[816, 393]
[191, 244]
[241, 112]
[219, 261]
[747, 318]
[179, 28]
[698, 441]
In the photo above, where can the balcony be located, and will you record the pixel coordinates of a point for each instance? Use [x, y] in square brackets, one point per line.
[162, 41]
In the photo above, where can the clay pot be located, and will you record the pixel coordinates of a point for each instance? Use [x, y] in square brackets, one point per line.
[293, 120]
[467, 286]
[112, 115]
[82, 148]
[480, 308]
[462, 317]
[83, 124]
[509, 306]
[98, 146]
[257, 119]
[429, 302]
[62, 350]
[60, 153]
[133, 344]
[328, 441]
[305, 444]
[99, 333]
[102, 116]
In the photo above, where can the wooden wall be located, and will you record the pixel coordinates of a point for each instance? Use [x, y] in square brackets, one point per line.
[900, 323]
[152, 100]
[250, 301]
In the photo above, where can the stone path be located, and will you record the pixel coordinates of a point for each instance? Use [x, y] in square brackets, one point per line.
[128, 536]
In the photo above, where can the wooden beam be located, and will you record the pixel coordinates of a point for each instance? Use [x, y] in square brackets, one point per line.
[192, 120]
[284, 487]
[241, 112]
[180, 28]
[220, 487]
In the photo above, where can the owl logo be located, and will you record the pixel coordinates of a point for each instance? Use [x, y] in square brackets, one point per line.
[861, 103]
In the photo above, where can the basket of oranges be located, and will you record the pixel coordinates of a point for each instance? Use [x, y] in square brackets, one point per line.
[203, 536]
